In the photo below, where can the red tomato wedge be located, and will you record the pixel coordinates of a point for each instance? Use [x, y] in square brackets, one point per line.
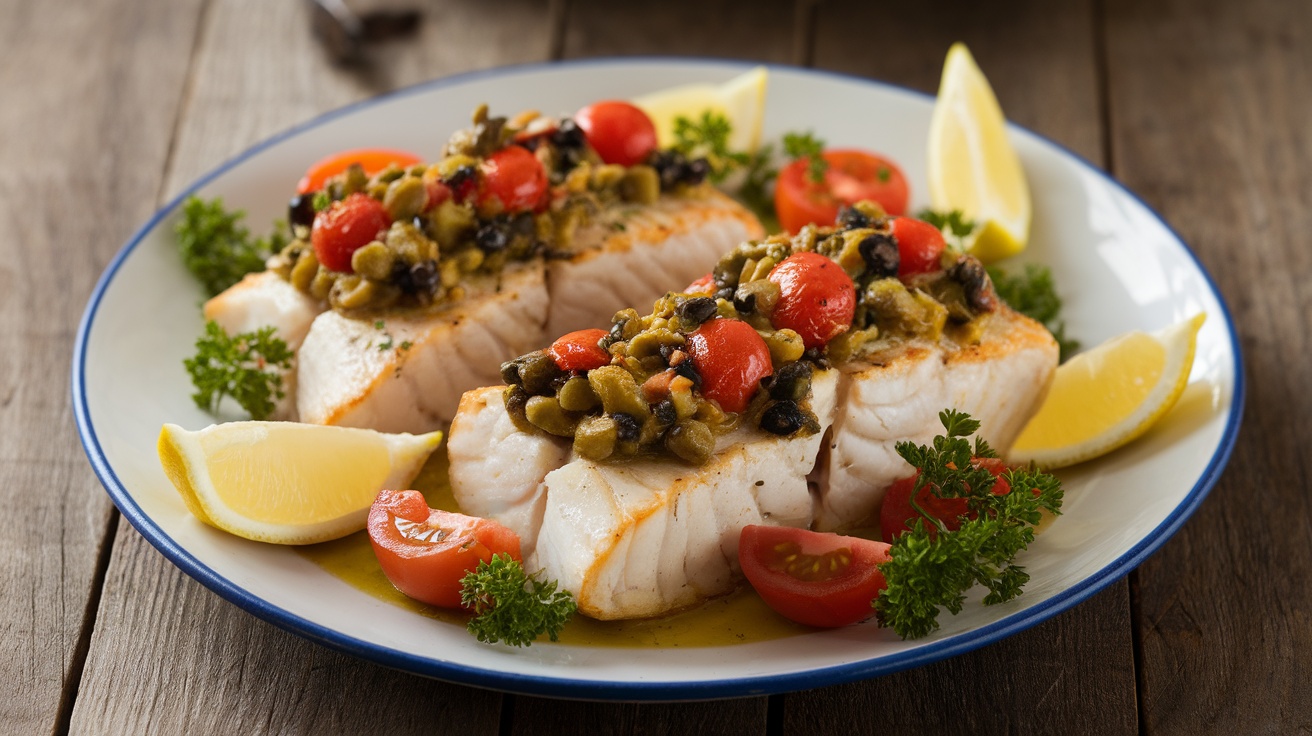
[345, 227]
[579, 351]
[817, 298]
[620, 132]
[704, 285]
[514, 176]
[920, 246]
[896, 514]
[732, 359]
[372, 160]
[852, 176]
[425, 552]
[813, 578]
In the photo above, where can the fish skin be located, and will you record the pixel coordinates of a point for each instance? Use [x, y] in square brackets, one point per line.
[347, 378]
[897, 395]
[662, 246]
[265, 299]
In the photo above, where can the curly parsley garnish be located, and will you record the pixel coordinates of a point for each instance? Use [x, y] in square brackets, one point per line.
[929, 571]
[799, 146]
[511, 606]
[1033, 293]
[217, 248]
[246, 367]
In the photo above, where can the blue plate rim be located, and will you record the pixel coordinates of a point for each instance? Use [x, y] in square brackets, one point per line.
[609, 690]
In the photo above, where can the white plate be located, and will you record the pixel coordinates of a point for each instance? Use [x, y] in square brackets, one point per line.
[1117, 264]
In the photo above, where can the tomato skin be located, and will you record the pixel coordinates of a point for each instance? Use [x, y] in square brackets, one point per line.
[345, 227]
[920, 246]
[372, 160]
[897, 516]
[620, 132]
[579, 351]
[853, 175]
[732, 359]
[429, 571]
[704, 285]
[839, 598]
[817, 298]
[514, 176]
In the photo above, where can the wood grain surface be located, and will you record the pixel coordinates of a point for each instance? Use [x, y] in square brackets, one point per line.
[108, 107]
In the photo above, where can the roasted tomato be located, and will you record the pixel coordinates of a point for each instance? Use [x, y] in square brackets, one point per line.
[372, 160]
[851, 177]
[704, 285]
[515, 177]
[619, 132]
[345, 227]
[732, 359]
[817, 298]
[810, 577]
[920, 246]
[579, 351]
[896, 515]
[425, 552]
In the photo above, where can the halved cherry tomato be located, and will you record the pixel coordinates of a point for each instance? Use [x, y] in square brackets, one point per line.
[703, 285]
[896, 514]
[813, 578]
[579, 351]
[920, 245]
[620, 132]
[514, 176]
[732, 359]
[425, 552]
[372, 160]
[852, 176]
[817, 298]
[345, 227]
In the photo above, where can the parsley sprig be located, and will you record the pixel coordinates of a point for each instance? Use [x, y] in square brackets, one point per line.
[1033, 293]
[806, 146]
[217, 248]
[512, 606]
[247, 367]
[932, 571]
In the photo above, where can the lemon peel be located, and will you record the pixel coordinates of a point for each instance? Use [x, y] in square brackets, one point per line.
[741, 100]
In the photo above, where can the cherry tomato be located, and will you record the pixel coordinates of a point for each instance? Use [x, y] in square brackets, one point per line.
[372, 160]
[704, 285]
[579, 351]
[810, 577]
[436, 193]
[851, 177]
[514, 176]
[896, 514]
[345, 227]
[425, 552]
[621, 133]
[919, 245]
[732, 359]
[817, 298]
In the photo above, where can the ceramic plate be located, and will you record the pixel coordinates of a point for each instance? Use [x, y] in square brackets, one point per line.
[1117, 264]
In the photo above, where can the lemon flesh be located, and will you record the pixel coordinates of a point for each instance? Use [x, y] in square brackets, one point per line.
[972, 164]
[284, 482]
[1108, 396]
[741, 100]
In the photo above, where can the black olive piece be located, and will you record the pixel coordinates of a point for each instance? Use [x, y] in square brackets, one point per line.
[879, 252]
[627, 428]
[492, 237]
[300, 210]
[687, 370]
[695, 311]
[697, 171]
[522, 224]
[974, 280]
[726, 294]
[817, 356]
[852, 218]
[792, 381]
[461, 177]
[568, 135]
[418, 278]
[665, 413]
[745, 304]
[783, 418]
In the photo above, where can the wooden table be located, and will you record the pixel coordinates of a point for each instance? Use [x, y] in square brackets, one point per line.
[109, 107]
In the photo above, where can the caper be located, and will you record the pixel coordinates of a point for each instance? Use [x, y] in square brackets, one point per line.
[304, 270]
[405, 198]
[607, 176]
[470, 259]
[373, 261]
[537, 371]
[785, 346]
[546, 414]
[618, 392]
[627, 427]
[322, 283]
[691, 440]
[452, 222]
[353, 292]
[449, 273]
[577, 395]
[783, 418]
[649, 342]
[595, 437]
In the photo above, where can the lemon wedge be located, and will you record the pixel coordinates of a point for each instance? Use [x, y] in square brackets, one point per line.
[972, 165]
[288, 483]
[741, 100]
[1103, 398]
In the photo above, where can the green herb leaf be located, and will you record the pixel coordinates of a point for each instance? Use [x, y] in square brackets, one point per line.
[217, 248]
[245, 367]
[807, 146]
[1033, 293]
[953, 223]
[511, 606]
[928, 571]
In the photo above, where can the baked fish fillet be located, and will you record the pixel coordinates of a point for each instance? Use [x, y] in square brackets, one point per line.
[634, 539]
[897, 395]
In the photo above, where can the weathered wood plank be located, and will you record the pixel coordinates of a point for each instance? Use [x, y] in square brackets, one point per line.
[1074, 673]
[166, 655]
[67, 201]
[1209, 122]
[761, 31]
